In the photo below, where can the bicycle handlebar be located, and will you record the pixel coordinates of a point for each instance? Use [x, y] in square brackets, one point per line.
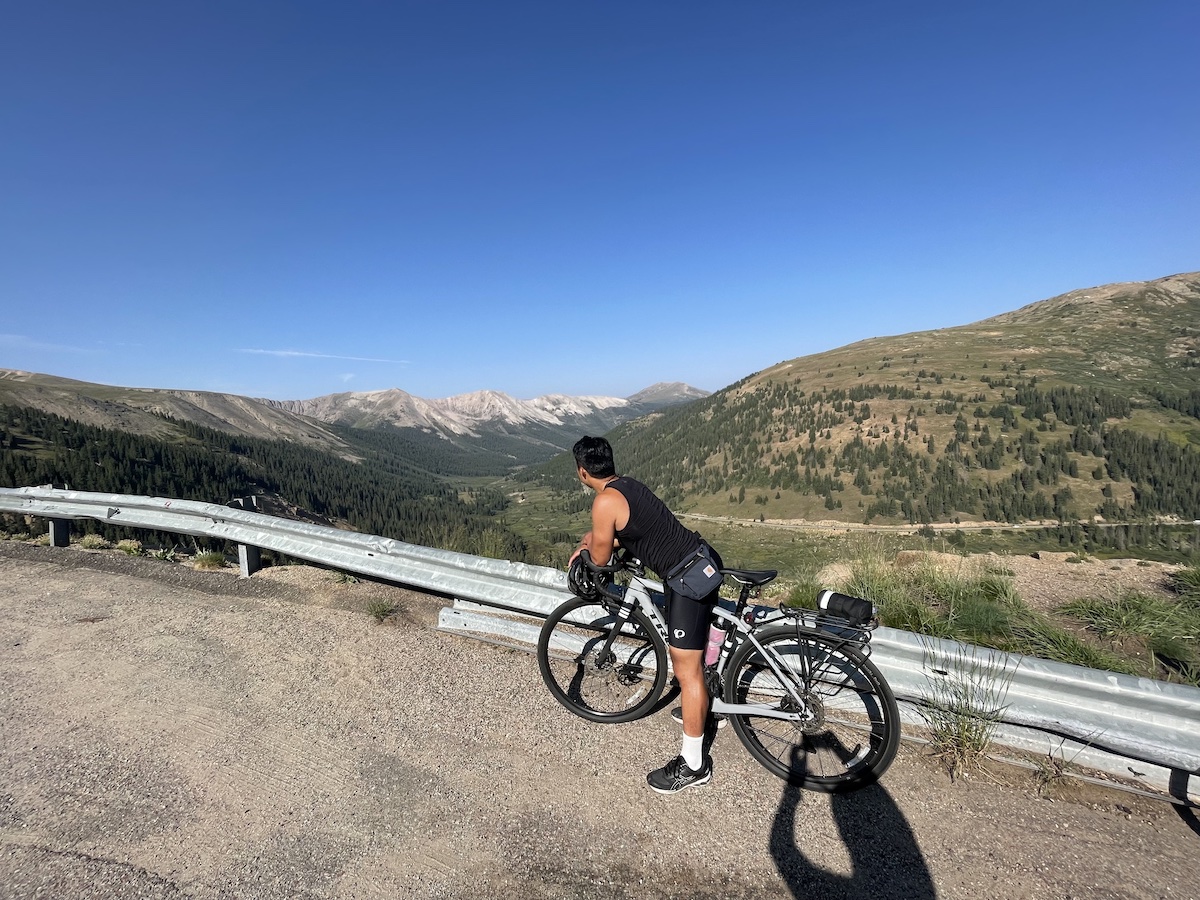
[620, 561]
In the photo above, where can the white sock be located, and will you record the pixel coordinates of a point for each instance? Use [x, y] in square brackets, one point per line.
[693, 751]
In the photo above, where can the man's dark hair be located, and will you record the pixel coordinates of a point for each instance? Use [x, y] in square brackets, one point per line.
[595, 455]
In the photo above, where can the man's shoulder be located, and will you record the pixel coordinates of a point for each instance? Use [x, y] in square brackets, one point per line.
[609, 499]
[629, 480]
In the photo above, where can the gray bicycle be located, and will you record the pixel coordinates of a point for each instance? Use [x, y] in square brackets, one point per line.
[795, 683]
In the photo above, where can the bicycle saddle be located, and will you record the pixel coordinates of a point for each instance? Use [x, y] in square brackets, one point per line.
[750, 576]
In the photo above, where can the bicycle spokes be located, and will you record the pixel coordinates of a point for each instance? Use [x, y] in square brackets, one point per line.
[845, 726]
[602, 666]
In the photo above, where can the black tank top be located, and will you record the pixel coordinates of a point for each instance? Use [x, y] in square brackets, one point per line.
[652, 534]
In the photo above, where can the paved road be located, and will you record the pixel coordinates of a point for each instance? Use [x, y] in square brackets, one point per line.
[169, 733]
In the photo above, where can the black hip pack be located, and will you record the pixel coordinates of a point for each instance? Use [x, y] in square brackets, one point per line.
[697, 576]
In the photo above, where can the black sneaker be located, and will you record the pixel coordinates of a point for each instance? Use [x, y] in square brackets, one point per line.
[677, 715]
[675, 776]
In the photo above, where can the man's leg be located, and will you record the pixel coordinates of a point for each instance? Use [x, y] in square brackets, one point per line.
[691, 767]
[688, 623]
[689, 672]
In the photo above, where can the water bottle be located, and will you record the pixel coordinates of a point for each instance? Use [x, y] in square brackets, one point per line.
[853, 609]
[716, 637]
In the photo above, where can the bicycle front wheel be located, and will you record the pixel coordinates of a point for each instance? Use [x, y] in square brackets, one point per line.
[849, 726]
[599, 666]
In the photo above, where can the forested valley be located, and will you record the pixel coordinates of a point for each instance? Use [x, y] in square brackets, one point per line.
[381, 493]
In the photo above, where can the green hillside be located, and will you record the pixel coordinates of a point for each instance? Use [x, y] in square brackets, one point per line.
[1078, 408]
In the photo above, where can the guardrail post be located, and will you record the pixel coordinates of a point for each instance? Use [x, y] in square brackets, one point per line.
[60, 532]
[249, 560]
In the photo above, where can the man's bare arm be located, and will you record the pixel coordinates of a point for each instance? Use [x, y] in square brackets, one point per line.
[602, 539]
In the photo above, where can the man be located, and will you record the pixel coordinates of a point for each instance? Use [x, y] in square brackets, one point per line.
[626, 513]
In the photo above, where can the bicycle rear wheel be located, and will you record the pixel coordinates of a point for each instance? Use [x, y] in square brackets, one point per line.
[600, 667]
[850, 728]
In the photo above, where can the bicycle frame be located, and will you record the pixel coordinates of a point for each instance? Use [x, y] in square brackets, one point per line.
[638, 594]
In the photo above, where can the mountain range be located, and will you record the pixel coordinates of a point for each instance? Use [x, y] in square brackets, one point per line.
[469, 414]
[489, 423]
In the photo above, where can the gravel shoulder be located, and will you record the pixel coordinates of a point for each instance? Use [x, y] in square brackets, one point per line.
[172, 733]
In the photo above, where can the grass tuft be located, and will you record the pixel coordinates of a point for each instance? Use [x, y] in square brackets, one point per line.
[966, 700]
[1186, 583]
[210, 559]
[1170, 629]
[1042, 638]
[379, 610]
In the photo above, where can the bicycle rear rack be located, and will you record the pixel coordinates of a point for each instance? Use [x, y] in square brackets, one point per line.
[820, 622]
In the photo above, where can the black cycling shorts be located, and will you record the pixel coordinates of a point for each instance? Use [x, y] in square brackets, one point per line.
[688, 621]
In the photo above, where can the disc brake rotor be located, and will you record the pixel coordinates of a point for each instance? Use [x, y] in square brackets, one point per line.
[812, 712]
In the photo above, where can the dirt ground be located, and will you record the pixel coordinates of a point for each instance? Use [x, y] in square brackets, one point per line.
[1045, 580]
[168, 733]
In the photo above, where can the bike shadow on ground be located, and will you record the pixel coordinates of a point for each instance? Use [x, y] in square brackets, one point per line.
[885, 860]
[1179, 790]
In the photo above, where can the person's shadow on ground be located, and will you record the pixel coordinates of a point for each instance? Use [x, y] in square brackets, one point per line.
[885, 859]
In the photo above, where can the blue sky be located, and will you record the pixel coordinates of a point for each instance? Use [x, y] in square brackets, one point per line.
[293, 199]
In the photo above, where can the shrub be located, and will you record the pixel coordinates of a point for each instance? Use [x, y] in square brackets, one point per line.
[94, 542]
[130, 546]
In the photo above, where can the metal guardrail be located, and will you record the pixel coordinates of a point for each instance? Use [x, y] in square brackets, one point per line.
[508, 585]
[1135, 727]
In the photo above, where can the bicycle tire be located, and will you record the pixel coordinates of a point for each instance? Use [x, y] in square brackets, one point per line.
[619, 688]
[853, 732]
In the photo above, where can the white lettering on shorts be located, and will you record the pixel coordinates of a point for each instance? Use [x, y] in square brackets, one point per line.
[680, 633]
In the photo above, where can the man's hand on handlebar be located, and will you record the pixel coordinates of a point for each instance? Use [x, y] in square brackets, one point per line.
[619, 561]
